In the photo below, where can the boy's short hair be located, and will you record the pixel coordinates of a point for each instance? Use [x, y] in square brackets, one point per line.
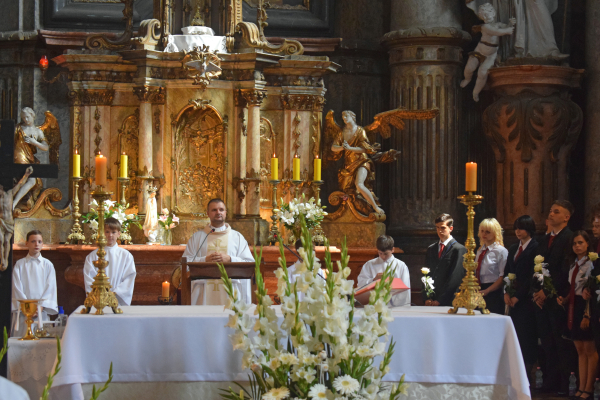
[526, 223]
[447, 218]
[385, 243]
[34, 232]
[298, 244]
[112, 223]
[566, 204]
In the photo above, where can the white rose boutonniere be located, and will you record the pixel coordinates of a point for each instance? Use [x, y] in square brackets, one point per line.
[592, 256]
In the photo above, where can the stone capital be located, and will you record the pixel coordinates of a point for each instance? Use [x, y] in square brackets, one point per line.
[149, 94]
[91, 97]
[302, 102]
[253, 97]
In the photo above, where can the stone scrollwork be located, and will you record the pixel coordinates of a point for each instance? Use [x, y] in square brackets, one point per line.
[99, 41]
[199, 157]
[531, 119]
[91, 97]
[253, 96]
[46, 198]
[302, 102]
[248, 36]
[149, 33]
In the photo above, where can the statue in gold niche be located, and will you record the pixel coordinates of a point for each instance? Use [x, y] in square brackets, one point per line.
[356, 178]
[28, 140]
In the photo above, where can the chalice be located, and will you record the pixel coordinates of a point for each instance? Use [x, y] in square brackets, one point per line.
[29, 308]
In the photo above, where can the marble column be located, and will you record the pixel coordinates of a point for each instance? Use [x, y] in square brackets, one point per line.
[253, 99]
[146, 95]
[592, 125]
[241, 129]
[425, 59]
[532, 126]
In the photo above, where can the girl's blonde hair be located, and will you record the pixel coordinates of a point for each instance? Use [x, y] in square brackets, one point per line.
[494, 226]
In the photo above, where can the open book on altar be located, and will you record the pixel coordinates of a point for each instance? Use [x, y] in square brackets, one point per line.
[362, 294]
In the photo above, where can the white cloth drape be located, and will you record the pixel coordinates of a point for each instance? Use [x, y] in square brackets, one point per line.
[120, 271]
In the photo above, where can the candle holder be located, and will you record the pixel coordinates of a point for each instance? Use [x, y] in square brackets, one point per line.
[274, 233]
[297, 184]
[318, 234]
[76, 236]
[29, 307]
[101, 296]
[123, 184]
[469, 295]
[165, 301]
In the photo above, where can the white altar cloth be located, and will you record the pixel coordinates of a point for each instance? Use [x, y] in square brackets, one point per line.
[29, 363]
[177, 43]
[190, 343]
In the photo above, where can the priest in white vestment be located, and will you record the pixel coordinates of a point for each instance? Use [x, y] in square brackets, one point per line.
[217, 243]
[374, 269]
[33, 278]
[121, 267]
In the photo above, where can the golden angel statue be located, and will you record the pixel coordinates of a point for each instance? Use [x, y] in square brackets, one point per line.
[357, 176]
[28, 140]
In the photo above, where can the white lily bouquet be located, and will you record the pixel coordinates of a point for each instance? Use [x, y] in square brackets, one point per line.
[321, 350]
[290, 214]
[541, 278]
[427, 283]
[114, 210]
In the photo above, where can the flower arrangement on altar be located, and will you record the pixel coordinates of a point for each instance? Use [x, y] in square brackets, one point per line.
[112, 209]
[323, 348]
[427, 283]
[167, 222]
[541, 278]
[291, 213]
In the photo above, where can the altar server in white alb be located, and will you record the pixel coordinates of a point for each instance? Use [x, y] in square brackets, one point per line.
[374, 269]
[33, 278]
[217, 243]
[121, 267]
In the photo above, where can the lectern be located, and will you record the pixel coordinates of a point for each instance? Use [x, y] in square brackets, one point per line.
[207, 270]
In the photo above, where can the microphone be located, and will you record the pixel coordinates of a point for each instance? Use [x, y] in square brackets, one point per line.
[290, 250]
[206, 237]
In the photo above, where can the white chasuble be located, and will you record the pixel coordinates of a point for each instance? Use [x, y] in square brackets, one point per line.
[120, 271]
[226, 241]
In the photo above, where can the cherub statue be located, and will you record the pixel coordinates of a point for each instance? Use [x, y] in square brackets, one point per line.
[356, 178]
[28, 139]
[151, 221]
[486, 51]
[7, 222]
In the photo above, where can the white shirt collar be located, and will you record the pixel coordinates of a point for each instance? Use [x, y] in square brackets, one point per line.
[555, 233]
[112, 247]
[389, 260]
[221, 229]
[447, 241]
[524, 246]
[32, 258]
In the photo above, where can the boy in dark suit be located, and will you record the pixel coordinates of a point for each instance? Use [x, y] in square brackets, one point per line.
[550, 319]
[444, 259]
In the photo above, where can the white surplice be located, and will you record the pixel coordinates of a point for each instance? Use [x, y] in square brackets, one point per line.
[120, 271]
[210, 291]
[33, 278]
[376, 266]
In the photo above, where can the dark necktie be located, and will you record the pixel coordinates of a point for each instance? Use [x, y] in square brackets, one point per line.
[551, 240]
[479, 260]
[441, 250]
[572, 295]
[519, 252]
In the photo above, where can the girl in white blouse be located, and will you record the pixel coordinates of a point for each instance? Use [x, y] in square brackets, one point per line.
[578, 323]
[491, 260]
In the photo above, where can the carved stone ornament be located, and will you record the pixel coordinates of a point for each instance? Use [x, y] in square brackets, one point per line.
[198, 157]
[150, 94]
[99, 41]
[253, 96]
[302, 102]
[46, 198]
[148, 34]
[128, 142]
[91, 97]
[202, 65]
[248, 36]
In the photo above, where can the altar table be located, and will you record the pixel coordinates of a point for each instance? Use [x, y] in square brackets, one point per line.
[190, 344]
[29, 363]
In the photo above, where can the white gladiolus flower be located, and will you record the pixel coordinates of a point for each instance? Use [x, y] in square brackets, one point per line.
[346, 384]
[109, 203]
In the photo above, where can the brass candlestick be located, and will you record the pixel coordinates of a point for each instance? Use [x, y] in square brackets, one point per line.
[123, 183]
[469, 296]
[297, 184]
[274, 233]
[318, 234]
[29, 307]
[101, 296]
[76, 236]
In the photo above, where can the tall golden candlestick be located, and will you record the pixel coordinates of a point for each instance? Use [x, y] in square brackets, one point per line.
[124, 182]
[469, 296]
[318, 234]
[76, 236]
[101, 296]
[297, 183]
[274, 233]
